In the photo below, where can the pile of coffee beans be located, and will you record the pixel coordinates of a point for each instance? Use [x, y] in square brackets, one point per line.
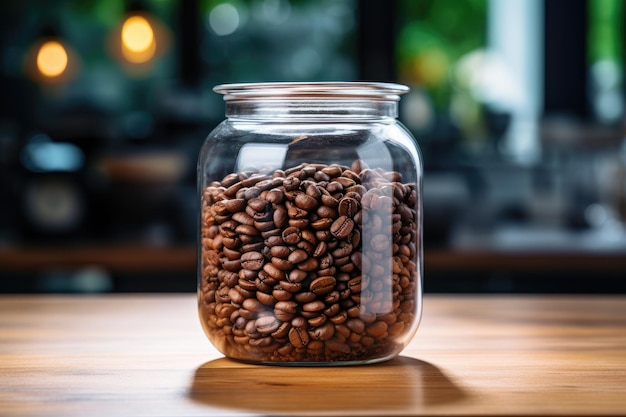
[316, 263]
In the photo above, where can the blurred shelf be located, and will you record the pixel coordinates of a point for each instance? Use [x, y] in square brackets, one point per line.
[126, 258]
[477, 260]
[182, 259]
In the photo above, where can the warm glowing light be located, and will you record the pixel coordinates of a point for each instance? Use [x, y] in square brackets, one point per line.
[52, 59]
[138, 42]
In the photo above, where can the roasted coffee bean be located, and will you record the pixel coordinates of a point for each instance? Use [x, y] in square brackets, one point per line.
[298, 337]
[292, 235]
[348, 207]
[243, 218]
[299, 223]
[332, 310]
[377, 329]
[252, 304]
[305, 297]
[338, 346]
[320, 249]
[306, 202]
[317, 320]
[280, 217]
[280, 251]
[324, 332]
[342, 250]
[272, 241]
[292, 287]
[326, 211]
[281, 294]
[296, 213]
[282, 331]
[252, 260]
[297, 275]
[267, 324]
[273, 271]
[265, 298]
[275, 196]
[329, 201]
[264, 226]
[342, 227]
[253, 247]
[311, 264]
[298, 256]
[323, 285]
[332, 297]
[282, 264]
[245, 229]
[322, 224]
[314, 306]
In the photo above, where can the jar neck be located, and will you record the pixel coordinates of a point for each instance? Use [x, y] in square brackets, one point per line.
[308, 109]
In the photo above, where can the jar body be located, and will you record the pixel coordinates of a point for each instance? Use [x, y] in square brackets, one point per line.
[310, 243]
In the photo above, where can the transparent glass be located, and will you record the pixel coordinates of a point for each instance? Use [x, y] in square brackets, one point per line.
[310, 242]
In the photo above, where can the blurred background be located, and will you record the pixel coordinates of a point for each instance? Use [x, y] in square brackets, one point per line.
[517, 105]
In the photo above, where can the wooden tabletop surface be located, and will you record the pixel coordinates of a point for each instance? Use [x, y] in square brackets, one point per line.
[146, 355]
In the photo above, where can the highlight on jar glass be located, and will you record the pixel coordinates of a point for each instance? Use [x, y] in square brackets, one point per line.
[310, 225]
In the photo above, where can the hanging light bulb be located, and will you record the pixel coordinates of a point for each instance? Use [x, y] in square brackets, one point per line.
[138, 40]
[52, 59]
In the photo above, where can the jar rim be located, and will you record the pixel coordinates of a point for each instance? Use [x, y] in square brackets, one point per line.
[311, 90]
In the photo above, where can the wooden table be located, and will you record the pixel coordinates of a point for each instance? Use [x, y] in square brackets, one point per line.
[146, 355]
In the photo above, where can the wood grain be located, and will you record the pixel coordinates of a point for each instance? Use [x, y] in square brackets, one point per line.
[146, 355]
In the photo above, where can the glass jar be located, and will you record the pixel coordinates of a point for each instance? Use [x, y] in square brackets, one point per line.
[310, 243]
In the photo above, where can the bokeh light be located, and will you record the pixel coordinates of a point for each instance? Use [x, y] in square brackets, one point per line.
[138, 41]
[52, 59]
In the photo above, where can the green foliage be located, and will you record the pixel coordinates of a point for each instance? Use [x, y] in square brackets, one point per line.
[433, 35]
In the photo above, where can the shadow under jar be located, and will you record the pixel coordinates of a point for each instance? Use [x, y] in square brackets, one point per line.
[310, 242]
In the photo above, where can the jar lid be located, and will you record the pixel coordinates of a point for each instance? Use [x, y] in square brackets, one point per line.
[311, 90]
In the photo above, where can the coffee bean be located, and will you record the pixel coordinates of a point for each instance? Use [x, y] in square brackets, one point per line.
[322, 224]
[314, 306]
[292, 287]
[243, 218]
[282, 331]
[317, 321]
[306, 202]
[280, 251]
[267, 324]
[265, 298]
[292, 235]
[348, 207]
[329, 201]
[298, 337]
[323, 285]
[305, 297]
[380, 242]
[273, 271]
[324, 332]
[338, 346]
[252, 260]
[280, 217]
[281, 294]
[297, 256]
[282, 264]
[377, 329]
[252, 304]
[234, 205]
[308, 265]
[342, 227]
